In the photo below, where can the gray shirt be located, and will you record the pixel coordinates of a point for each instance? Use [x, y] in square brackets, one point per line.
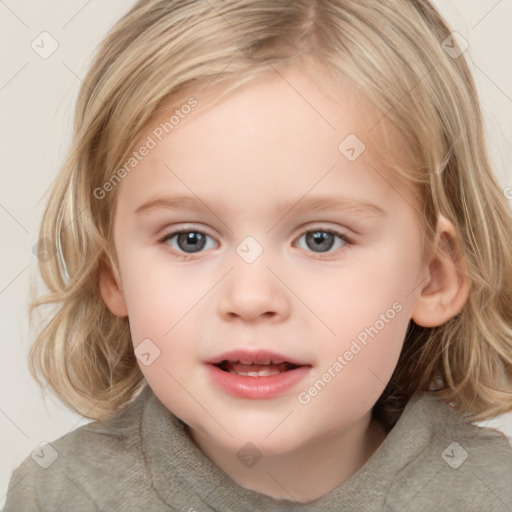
[143, 459]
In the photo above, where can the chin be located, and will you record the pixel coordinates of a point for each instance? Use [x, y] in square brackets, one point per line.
[263, 436]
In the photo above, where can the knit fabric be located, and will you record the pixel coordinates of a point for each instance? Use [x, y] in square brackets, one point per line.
[143, 459]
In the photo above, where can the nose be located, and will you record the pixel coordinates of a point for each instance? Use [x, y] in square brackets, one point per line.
[254, 292]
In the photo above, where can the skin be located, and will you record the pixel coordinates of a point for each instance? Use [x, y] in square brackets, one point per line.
[241, 157]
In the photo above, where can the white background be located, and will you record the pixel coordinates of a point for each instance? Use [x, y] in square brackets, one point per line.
[37, 99]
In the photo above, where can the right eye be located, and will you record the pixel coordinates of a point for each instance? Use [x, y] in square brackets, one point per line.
[186, 242]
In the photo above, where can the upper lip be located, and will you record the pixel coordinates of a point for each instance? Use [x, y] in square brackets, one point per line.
[255, 356]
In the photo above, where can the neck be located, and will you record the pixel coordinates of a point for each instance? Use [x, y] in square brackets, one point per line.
[307, 473]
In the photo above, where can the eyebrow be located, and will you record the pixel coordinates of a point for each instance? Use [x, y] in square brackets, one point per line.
[311, 203]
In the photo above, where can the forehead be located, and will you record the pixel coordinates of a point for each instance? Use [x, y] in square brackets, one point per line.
[306, 93]
[286, 126]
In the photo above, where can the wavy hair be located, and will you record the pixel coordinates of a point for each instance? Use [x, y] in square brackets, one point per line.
[395, 54]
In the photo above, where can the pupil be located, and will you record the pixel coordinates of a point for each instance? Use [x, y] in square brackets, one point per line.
[196, 241]
[321, 240]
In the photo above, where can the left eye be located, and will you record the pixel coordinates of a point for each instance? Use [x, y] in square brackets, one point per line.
[323, 239]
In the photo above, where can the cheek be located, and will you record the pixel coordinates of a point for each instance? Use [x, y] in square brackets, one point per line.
[368, 308]
[374, 284]
[165, 334]
[356, 364]
[165, 308]
[160, 294]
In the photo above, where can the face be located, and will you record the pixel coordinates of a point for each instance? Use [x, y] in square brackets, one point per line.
[289, 244]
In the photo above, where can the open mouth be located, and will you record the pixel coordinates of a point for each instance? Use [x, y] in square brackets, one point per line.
[256, 374]
[255, 369]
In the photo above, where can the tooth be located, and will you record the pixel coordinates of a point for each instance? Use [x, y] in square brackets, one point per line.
[264, 373]
[251, 361]
[261, 373]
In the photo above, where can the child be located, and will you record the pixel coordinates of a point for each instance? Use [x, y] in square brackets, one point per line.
[343, 312]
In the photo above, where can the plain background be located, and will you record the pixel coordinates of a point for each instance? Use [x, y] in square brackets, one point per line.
[37, 99]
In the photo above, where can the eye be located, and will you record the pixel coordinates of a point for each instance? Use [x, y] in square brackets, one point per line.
[187, 241]
[323, 240]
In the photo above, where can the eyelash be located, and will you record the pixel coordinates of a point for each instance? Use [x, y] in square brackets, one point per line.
[189, 256]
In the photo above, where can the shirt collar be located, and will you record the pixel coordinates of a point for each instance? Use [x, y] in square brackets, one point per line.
[185, 478]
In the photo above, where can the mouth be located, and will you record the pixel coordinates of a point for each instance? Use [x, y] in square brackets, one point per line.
[256, 374]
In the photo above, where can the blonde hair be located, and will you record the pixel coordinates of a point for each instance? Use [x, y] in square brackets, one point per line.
[392, 53]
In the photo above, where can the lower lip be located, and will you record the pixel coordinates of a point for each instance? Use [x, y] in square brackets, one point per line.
[257, 388]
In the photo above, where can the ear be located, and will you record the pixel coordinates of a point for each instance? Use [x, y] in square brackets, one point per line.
[110, 291]
[447, 283]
